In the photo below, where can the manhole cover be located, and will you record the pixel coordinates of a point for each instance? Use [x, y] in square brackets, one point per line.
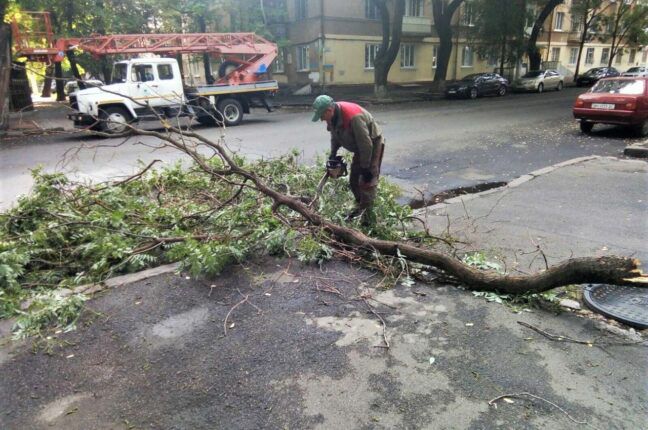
[626, 304]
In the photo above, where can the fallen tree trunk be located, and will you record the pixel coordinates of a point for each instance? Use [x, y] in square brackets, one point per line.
[609, 270]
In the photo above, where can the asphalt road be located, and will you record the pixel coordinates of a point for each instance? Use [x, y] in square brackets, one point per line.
[431, 146]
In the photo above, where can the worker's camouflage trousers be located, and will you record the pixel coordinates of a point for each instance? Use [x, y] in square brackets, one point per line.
[365, 193]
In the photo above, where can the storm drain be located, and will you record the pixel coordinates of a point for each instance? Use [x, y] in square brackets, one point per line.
[626, 304]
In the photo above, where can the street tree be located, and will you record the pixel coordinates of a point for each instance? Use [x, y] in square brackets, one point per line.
[443, 11]
[626, 25]
[498, 30]
[546, 7]
[589, 13]
[392, 30]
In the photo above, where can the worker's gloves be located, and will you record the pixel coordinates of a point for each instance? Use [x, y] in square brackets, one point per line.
[366, 175]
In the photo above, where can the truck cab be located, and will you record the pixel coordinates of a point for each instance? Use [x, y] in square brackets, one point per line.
[141, 87]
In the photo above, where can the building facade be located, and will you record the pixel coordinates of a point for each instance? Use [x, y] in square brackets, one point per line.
[334, 42]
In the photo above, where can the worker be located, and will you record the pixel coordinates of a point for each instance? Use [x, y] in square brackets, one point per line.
[354, 129]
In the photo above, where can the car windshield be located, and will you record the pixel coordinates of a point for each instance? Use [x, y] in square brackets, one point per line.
[635, 69]
[534, 74]
[119, 73]
[620, 86]
[592, 72]
[472, 77]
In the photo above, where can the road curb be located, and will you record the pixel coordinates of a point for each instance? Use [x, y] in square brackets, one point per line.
[637, 150]
[512, 184]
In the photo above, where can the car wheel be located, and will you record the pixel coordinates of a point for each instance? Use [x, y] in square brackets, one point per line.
[231, 111]
[586, 127]
[641, 130]
[560, 86]
[540, 88]
[501, 91]
[473, 93]
[114, 120]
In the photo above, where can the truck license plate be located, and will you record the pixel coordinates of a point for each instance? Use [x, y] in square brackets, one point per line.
[602, 105]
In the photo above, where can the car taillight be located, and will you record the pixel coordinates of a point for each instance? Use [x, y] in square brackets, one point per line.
[579, 103]
[631, 106]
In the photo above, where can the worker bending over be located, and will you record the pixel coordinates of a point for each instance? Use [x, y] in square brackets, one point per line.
[354, 129]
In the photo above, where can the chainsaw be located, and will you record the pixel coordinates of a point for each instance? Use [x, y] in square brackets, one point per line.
[335, 168]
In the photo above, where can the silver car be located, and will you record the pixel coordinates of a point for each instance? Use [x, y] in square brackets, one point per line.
[636, 72]
[539, 80]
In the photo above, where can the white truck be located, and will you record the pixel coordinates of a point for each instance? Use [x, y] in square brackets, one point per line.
[152, 88]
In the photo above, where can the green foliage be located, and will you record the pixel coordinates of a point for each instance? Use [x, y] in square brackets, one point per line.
[49, 307]
[66, 234]
[481, 261]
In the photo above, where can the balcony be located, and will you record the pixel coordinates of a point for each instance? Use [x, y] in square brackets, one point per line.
[417, 25]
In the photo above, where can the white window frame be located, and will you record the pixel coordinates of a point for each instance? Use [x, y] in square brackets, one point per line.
[589, 56]
[301, 9]
[413, 8]
[371, 10]
[467, 56]
[573, 55]
[280, 61]
[555, 54]
[605, 55]
[576, 24]
[468, 16]
[303, 58]
[618, 58]
[558, 22]
[371, 50]
[435, 54]
[407, 56]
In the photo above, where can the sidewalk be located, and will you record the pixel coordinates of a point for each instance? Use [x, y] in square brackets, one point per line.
[278, 344]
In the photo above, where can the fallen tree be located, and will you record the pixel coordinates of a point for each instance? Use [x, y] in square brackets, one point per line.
[611, 269]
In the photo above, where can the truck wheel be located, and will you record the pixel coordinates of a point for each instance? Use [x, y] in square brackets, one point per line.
[231, 111]
[226, 67]
[114, 120]
[586, 127]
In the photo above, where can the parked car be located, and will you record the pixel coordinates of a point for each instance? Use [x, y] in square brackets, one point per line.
[478, 84]
[539, 80]
[593, 75]
[620, 101]
[636, 72]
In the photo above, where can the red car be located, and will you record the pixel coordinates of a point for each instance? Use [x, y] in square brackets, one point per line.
[619, 101]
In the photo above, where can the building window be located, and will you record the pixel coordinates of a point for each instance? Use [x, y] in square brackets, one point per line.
[407, 56]
[302, 58]
[467, 57]
[371, 10]
[280, 61]
[589, 56]
[633, 54]
[619, 57]
[371, 50]
[555, 54]
[435, 54]
[644, 56]
[573, 55]
[301, 9]
[414, 8]
[605, 55]
[558, 24]
[468, 15]
[576, 24]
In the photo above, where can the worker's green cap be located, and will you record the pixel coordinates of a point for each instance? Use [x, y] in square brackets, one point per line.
[320, 104]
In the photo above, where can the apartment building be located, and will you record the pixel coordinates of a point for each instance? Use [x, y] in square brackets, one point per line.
[334, 42]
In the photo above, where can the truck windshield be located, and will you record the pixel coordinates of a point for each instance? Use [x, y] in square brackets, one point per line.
[119, 73]
[619, 86]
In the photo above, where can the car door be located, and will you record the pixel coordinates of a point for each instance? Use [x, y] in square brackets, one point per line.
[169, 83]
[489, 83]
[144, 87]
[554, 78]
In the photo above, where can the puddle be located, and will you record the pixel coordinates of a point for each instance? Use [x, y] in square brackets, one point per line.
[448, 194]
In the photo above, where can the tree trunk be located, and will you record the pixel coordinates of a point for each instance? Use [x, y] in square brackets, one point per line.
[390, 45]
[75, 69]
[209, 76]
[47, 86]
[608, 270]
[535, 59]
[60, 85]
[581, 44]
[443, 14]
